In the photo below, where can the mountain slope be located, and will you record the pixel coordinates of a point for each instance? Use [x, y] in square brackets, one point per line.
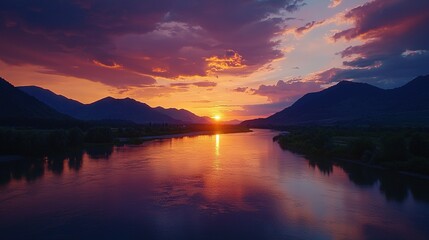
[123, 109]
[183, 115]
[357, 103]
[58, 102]
[17, 104]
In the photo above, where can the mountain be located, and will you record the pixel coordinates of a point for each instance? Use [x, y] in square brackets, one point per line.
[113, 109]
[183, 115]
[356, 103]
[122, 109]
[58, 102]
[15, 104]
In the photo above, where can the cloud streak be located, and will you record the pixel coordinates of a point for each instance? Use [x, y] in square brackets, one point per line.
[206, 84]
[307, 27]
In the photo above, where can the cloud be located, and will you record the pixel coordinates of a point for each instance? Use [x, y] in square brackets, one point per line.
[113, 66]
[395, 46]
[205, 84]
[389, 73]
[335, 3]
[307, 27]
[150, 92]
[240, 89]
[231, 60]
[131, 42]
[286, 92]
[201, 101]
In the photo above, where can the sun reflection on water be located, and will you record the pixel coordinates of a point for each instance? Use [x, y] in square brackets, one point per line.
[217, 160]
[217, 144]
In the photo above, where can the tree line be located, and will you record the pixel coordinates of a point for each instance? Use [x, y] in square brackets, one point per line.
[399, 149]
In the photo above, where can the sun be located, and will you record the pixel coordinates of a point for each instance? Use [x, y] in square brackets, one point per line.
[216, 117]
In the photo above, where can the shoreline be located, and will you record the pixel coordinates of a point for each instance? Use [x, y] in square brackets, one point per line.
[402, 151]
[368, 165]
[14, 157]
[179, 135]
[375, 166]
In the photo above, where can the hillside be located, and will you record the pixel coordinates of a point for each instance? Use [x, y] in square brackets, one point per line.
[113, 109]
[356, 104]
[58, 102]
[183, 115]
[122, 109]
[15, 104]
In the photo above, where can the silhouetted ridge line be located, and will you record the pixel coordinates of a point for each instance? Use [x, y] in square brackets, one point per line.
[352, 103]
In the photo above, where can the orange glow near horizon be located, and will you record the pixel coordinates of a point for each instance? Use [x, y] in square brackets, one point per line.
[203, 101]
[217, 118]
[213, 63]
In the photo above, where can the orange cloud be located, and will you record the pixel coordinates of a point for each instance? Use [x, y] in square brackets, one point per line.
[113, 66]
[335, 3]
[159, 70]
[231, 60]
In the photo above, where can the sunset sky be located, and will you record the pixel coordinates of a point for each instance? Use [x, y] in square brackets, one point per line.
[238, 59]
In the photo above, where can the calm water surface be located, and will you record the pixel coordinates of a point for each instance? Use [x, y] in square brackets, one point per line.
[231, 186]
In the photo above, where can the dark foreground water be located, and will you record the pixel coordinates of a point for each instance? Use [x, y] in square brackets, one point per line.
[232, 186]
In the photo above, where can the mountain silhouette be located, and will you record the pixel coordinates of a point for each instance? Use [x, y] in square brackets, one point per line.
[356, 103]
[183, 115]
[15, 104]
[58, 102]
[122, 109]
[113, 109]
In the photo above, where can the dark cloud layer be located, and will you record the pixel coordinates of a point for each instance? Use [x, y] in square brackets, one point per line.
[128, 42]
[396, 46]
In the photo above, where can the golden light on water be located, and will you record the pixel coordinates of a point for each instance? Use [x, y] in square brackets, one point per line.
[217, 144]
[217, 147]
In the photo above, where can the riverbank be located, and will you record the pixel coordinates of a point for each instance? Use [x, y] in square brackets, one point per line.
[178, 135]
[18, 143]
[402, 150]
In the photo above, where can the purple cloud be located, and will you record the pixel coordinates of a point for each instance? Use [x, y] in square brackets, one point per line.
[307, 27]
[391, 30]
[130, 42]
[240, 89]
[286, 92]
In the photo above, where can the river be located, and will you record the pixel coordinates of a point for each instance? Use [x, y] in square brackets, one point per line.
[226, 186]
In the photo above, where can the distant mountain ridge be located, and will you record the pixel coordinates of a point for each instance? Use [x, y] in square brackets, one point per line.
[113, 109]
[58, 102]
[183, 115]
[122, 109]
[15, 104]
[356, 103]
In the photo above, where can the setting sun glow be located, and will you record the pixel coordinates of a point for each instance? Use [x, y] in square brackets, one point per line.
[216, 117]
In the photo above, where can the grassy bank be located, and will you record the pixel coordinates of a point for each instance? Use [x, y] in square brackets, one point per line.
[402, 149]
